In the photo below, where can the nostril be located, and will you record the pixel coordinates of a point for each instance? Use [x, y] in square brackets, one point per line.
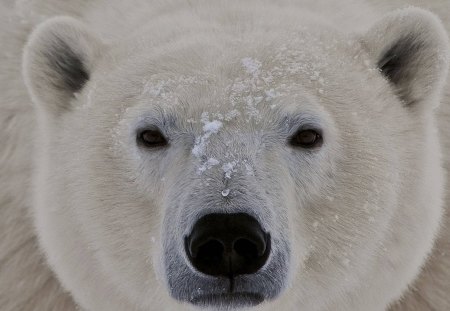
[247, 249]
[210, 252]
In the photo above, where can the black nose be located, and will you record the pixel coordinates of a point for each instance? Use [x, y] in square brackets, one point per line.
[227, 245]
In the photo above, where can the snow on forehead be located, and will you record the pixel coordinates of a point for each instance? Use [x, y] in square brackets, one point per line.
[249, 83]
[252, 85]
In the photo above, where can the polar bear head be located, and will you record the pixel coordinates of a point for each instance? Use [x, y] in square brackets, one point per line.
[212, 173]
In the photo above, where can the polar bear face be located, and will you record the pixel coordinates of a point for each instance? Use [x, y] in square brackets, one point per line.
[231, 179]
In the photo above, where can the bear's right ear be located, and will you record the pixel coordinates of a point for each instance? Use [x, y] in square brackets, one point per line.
[57, 62]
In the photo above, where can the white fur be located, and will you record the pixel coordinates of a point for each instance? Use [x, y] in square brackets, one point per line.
[366, 217]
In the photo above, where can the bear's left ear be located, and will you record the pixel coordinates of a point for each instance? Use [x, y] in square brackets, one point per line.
[57, 62]
[410, 48]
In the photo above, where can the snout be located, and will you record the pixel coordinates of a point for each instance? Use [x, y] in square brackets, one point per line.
[228, 260]
[227, 245]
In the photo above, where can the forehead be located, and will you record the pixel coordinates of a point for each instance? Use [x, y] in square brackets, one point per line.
[248, 79]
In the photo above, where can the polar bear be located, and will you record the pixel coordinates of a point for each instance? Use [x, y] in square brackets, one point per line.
[188, 155]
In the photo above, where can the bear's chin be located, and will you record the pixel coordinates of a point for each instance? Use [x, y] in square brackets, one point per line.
[228, 300]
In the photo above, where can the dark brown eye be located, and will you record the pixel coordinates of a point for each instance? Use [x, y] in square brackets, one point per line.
[306, 139]
[152, 138]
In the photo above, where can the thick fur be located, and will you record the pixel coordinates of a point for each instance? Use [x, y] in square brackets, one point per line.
[363, 226]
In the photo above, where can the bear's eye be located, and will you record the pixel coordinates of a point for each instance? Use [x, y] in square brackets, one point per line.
[306, 139]
[151, 138]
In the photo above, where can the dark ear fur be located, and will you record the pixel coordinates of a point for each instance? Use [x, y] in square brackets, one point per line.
[67, 66]
[411, 50]
[58, 61]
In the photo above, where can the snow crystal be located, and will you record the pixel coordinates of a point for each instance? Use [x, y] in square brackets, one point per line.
[208, 164]
[154, 89]
[271, 94]
[225, 192]
[213, 161]
[251, 65]
[212, 127]
[231, 115]
[218, 116]
[315, 76]
[249, 169]
[209, 128]
[229, 168]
